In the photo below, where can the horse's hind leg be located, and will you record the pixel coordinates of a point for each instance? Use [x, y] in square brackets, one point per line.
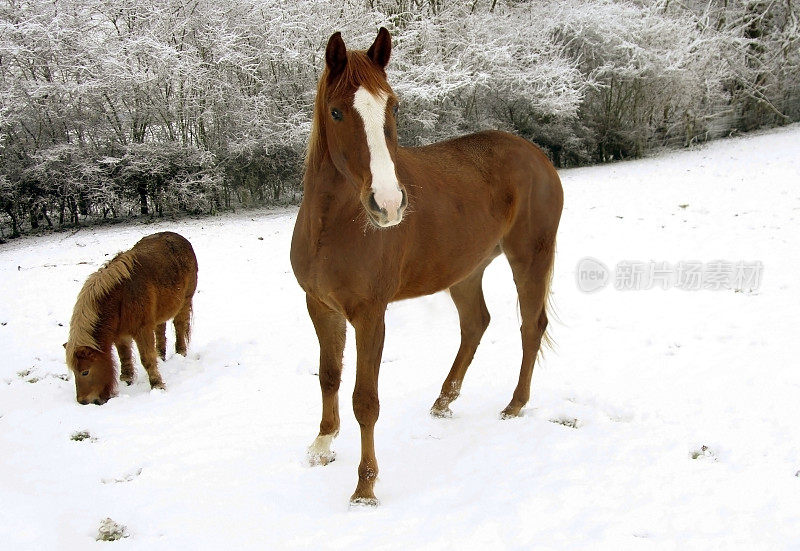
[474, 319]
[532, 278]
[146, 343]
[127, 370]
[161, 340]
[330, 328]
[182, 323]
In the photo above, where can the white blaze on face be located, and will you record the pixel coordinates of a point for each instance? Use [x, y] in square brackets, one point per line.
[372, 109]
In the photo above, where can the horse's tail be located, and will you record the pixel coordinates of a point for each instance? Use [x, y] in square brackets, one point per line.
[547, 339]
[547, 304]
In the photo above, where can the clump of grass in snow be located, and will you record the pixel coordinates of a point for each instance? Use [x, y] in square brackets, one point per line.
[111, 531]
[703, 452]
[80, 436]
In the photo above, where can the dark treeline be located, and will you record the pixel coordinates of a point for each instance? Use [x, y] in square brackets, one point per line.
[111, 109]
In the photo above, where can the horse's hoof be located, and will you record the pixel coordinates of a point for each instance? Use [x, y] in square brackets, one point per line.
[511, 413]
[128, 382]
[320, 459]
[364, 502]
[158, 386]
[319, 452]
[445, 413]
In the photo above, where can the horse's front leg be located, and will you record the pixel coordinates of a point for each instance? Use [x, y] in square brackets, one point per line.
[369, 326]
[330, 328]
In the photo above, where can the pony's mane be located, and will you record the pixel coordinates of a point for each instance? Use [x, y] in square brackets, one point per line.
[359, 71]
[85, 315]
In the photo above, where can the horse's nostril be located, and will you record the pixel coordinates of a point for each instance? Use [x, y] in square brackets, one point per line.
[404, 201]
[98, 402]
[374, 204]
[83, 402]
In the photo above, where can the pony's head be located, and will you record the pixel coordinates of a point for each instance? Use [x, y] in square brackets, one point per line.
[94, 372]
[355, 117]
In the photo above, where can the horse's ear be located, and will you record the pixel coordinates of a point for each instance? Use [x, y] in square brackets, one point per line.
[381, 49]
[64, 345]
[335, 55]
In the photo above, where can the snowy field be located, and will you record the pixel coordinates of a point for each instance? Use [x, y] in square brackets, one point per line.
[664, 418]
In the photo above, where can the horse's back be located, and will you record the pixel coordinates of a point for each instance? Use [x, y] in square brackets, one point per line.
[166, 256]
[511, 173]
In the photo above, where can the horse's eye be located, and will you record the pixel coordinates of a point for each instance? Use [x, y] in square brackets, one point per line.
[336, 114]
[395, 109]
[85, 373]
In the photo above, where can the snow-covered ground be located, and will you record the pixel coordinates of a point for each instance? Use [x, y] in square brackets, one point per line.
[664, 419]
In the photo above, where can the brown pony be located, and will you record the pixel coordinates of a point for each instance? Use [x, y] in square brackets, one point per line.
[380, 223]
[131, 298]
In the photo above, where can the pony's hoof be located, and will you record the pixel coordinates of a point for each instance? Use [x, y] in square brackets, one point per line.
[445, 413]
[364, 502]
[158, 386]
[127, 381]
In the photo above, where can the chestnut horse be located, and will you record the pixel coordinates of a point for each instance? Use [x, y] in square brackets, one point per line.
[131, 298]
[380, 223]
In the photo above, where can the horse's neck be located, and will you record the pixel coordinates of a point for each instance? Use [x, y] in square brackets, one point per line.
[326, 192]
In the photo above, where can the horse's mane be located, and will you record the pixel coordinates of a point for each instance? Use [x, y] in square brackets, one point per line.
[359, 71]
[85, 315]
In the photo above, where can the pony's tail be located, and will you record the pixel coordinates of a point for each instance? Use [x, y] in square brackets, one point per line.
[189, 322]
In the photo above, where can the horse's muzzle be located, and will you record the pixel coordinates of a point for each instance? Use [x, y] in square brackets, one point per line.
[390, 213]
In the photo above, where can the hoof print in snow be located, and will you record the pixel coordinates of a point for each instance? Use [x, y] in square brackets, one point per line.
[570, 422]
[81, 435]
[111, 531]
[703, 453]
[127, 478]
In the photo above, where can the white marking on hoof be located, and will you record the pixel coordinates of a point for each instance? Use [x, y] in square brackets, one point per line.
[364, 502]
[445, 413]
[505, 415]
[319, 453]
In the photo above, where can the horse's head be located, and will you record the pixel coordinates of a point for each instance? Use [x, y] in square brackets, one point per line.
[95, 376]
[360, 108]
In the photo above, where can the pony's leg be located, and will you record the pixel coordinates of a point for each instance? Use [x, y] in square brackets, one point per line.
[182, 323]
[146, 343]
[370, 332]
[127, 370]
[532, 277]
[474, 318]
[330, 328]
[161, 340]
